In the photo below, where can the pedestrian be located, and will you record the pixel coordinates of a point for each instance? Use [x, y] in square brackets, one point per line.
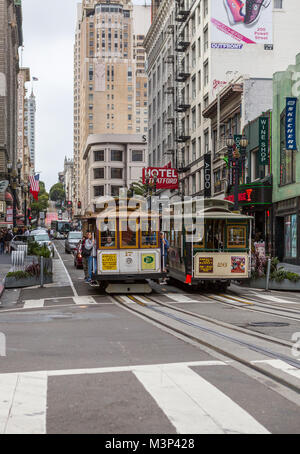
[86, 251]
[164, 247]
[7, 239]
[2, 242]
[92, 261]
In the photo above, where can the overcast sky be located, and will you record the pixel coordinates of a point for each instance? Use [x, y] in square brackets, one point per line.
[48, 31]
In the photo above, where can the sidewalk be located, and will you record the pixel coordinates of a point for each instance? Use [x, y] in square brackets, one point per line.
[292, 268]
[5, 265]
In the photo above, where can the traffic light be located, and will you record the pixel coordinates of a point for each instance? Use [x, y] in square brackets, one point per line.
[79, 205]
[69, 204]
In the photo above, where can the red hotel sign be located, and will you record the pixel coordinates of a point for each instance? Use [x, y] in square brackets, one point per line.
[166, 178]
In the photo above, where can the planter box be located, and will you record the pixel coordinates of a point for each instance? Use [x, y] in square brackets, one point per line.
[273, 285]
[12, 282]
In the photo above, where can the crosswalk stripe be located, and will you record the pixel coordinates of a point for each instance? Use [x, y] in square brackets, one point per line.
[7, 388]
[82, 300]
[193, 405]
[33, 303]
[276, 300]
[26, 411]
[281, 365]
[179, 298]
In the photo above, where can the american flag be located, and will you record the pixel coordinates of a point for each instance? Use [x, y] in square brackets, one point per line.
[34, 185]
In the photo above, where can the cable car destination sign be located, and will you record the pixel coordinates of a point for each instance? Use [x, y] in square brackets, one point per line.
[165, 178]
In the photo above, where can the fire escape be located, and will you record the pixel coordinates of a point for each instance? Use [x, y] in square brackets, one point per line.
[182, 74]
[169, 90]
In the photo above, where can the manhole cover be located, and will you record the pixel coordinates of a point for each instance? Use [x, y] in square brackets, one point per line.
[268, 324]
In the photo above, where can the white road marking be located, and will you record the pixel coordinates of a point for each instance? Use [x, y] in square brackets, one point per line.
[27, 396]
[276, 300]
[82, 300]
[281, 365]
[179, 298]
[29, 304]
[68, 276]
[193, 405]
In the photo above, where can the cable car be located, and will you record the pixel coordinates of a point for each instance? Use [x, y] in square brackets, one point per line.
[210, 245]
[128, 247]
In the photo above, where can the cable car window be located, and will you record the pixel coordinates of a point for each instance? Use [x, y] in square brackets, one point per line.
[149, 233]
[128, 237]
[108, 234]
[236, 237]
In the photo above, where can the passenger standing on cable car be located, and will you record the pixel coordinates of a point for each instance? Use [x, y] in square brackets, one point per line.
[86, 251]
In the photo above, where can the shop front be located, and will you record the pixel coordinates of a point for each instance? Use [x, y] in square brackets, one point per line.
[286, 230]
[256, 200]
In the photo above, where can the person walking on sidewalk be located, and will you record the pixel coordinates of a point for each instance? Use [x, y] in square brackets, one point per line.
[92, 260]
[86, 251]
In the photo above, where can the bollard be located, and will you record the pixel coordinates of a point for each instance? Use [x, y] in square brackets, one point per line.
[268, 274]
[42, 271]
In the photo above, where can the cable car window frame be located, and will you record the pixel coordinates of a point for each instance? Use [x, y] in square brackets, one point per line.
[156, 231]
[115, 239]
[136, 234]
[239, 227]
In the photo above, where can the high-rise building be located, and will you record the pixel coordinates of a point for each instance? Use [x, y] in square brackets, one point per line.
[30, 110]
[194, 48]
[109, 65]
[11, 38]
[23, 78]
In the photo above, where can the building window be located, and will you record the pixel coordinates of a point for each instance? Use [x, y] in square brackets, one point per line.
[98, 173]
[98, 191]
[137, 155]
[115, 190]
[278, 4]
[98, 155]
[287, 157]
[116, 173]
[290, 236]
[117, 155]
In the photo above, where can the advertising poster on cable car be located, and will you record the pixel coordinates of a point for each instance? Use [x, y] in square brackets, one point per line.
[148, 262]
[241, 21]
[109, 262]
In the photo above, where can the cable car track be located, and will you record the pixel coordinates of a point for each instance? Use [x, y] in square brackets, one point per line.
[151, 310]
[254, 303]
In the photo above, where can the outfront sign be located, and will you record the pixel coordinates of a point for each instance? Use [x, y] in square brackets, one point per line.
[166, 178]
[290, 123]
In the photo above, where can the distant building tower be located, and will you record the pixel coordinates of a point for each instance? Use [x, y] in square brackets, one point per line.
[31, 109]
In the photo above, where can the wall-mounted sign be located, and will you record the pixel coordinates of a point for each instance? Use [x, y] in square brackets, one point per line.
[9, 214]
[207, 175]
[261, 194]
[290, 123]
[166, 178]
[234, 22]
[263, 152]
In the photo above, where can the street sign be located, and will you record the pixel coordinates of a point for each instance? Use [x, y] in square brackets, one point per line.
[3, 186]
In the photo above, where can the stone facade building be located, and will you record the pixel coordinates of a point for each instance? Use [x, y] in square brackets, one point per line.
[10, 40]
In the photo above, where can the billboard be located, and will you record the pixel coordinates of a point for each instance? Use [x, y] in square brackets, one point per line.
[167, 178]
[246, 21]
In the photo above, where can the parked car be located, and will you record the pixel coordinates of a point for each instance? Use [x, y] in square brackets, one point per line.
[72, 240]
[78, 256]
[43, 239]
[18, 240]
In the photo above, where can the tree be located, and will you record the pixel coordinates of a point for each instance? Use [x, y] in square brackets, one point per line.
[138, 188]
[42, 203]
[57, 193]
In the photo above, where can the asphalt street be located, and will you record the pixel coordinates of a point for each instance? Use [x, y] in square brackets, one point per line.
[80, 361]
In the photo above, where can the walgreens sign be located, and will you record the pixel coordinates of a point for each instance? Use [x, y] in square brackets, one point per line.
[166, 178]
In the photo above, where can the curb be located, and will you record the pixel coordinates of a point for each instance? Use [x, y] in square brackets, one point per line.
[2, 288]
